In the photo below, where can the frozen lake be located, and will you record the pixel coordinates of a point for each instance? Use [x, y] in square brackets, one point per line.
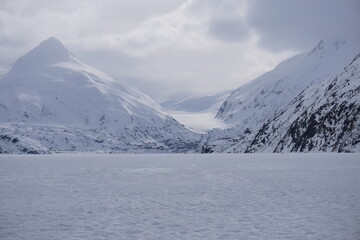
[260, 196]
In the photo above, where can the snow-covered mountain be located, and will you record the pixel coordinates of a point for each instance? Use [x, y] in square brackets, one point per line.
[257, 101]
[322, 118]
[251, 105]
[51, 101]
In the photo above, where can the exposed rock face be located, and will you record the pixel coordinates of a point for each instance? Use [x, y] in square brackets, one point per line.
[323, 118]
[251, 106]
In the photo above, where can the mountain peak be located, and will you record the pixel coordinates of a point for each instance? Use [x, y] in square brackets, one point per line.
[328, 45]
[51, 43]
[49, 52]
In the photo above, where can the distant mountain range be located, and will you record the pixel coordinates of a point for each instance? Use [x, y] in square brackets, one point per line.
[52, 102]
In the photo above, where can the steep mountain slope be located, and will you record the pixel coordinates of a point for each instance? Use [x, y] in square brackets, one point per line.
[251, 105]
[322, 118]
[254, 103]
[62, 104]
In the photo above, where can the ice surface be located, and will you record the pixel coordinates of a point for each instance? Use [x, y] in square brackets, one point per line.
[258, 196]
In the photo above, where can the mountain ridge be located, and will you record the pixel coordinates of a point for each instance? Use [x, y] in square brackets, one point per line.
[324, 117]
[253, 104]
[52, 102]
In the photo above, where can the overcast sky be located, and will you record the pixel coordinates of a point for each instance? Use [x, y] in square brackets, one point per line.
[169, 48]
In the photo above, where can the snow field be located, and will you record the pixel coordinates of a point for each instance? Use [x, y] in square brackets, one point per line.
[199, 122]
[258, 196]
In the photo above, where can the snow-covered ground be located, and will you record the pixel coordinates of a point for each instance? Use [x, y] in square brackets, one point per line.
[258, 196]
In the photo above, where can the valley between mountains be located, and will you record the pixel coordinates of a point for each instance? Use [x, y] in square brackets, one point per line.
[51, 102]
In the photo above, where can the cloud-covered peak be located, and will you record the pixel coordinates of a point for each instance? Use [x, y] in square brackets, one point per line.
[49, 52]
[52, 51]
[52, 43]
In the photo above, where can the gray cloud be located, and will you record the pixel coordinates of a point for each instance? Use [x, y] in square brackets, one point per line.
[229, 29]
[284, 24]
[167, 47]
[216, 8]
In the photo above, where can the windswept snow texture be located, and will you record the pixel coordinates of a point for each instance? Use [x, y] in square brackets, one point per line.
[257, 196]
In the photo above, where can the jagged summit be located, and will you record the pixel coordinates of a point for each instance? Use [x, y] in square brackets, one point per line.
[332, 44]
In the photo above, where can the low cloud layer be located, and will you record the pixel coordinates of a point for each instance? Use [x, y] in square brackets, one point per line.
[169, 48]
